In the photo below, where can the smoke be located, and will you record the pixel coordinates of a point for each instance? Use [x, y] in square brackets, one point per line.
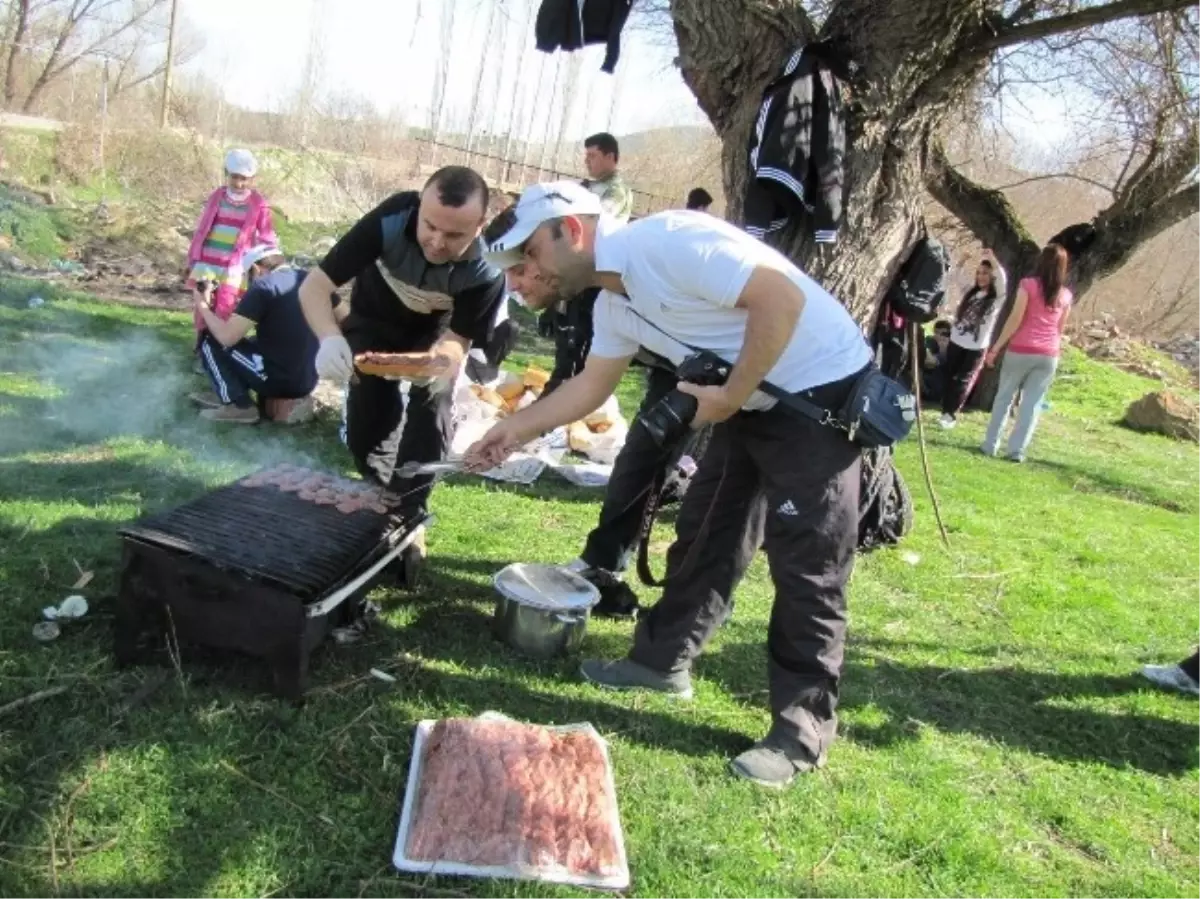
[131, 385]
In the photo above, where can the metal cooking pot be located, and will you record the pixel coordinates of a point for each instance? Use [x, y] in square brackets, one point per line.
[542, 610]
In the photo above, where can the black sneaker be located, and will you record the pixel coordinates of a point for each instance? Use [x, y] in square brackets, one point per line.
[617, 599]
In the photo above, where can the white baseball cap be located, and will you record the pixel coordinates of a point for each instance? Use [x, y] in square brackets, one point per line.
[258, 253]
[241, 162]
[538, 204]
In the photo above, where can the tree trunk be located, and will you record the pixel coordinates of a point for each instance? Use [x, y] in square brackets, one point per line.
[19, 33]
[908, 78]
[917, 63]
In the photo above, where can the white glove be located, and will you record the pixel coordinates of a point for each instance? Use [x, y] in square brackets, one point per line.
[335, 359]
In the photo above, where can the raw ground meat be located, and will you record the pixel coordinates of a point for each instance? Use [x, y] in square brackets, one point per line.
[323, 489]
[503, 793]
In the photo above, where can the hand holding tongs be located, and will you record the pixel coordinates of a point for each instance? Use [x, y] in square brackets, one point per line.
[413, 469]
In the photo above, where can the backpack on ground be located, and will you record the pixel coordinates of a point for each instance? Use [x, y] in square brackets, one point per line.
[885, 510]
[920, 286]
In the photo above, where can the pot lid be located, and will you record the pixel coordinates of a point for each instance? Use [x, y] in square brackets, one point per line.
[548, 587]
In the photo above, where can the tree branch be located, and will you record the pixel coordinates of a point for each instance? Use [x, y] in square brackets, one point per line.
[985, 211]
[724, 46]
[1173, 210]
[1107, 188]
[1023, 32]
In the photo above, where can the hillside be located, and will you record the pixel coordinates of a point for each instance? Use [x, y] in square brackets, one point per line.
[153, 183]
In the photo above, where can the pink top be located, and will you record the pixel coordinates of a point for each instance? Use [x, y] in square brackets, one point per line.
[1039, 334]
[225, 231]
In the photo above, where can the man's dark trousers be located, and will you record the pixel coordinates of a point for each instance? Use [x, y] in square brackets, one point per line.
[572, 338]
[235, 371]
[808, 476]
[383, 431]
[638, 465]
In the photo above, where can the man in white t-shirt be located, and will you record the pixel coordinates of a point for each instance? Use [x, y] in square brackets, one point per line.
[687, 278]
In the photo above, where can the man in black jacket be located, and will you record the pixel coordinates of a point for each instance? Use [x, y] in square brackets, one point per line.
[420, 285]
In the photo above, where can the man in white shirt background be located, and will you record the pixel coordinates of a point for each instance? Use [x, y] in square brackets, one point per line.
[683, 279]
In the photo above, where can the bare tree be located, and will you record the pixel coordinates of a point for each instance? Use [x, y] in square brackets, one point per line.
[57, 35]
[1135, 113]
[569, 92]
[517, 122]
[442, 74]
[16, 31]
[473, 117]
[313, 69]
[919, 65]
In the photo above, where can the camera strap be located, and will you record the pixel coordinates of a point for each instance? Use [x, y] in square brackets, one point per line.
[793, 401]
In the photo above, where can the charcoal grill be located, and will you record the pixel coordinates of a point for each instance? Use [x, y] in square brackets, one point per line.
[252, 569]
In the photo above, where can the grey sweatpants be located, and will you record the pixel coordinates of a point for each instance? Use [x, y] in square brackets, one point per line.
[1032, 376]
[805, 477]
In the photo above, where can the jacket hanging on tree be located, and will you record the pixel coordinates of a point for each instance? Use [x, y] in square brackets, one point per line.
[797, 149]
[571, 24]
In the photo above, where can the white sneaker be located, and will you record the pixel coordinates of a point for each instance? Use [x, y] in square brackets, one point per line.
[947, 422]
[1172, 677]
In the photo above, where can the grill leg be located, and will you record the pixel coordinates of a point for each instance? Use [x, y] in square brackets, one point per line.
[289, 672]
[129, 620]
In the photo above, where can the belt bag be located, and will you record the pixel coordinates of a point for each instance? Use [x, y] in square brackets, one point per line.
[877, 412]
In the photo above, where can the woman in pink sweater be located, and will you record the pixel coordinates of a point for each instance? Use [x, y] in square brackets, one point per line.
[1033, 335]
[235, 218]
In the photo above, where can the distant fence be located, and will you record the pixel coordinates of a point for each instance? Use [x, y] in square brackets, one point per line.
[421, 157]
[513, 175]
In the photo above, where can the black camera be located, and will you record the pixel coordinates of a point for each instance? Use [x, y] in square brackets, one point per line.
[668, 420]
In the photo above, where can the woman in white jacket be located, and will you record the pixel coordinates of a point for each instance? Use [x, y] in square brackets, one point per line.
[971, 335]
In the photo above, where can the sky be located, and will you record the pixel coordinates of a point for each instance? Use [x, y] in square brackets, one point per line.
[386, 53]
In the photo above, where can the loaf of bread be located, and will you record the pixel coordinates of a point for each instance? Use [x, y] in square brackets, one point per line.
[400, 365]
[511, 390]
[489, 396]
[535, 379]
[578, 436]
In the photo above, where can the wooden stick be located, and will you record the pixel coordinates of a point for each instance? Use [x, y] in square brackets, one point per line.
[69, 818]
[916, 374]
[49, 693]
[324, 819]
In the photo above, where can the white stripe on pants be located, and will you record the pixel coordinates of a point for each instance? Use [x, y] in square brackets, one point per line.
[1031, 375]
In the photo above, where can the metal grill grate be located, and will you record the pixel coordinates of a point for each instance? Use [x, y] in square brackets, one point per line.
[270, 534]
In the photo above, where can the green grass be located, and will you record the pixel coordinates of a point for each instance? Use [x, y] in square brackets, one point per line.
[995, 737]
[40, 232]
[32, 154]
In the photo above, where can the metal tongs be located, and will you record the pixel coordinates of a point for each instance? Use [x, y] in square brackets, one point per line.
[437, 469]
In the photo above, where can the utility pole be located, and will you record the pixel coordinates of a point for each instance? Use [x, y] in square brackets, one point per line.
[166, 97]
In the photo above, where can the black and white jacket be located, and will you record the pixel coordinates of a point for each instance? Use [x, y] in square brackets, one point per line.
[570, 24]
[797, 148]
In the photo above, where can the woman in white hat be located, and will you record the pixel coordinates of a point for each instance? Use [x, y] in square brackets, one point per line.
[235, 218]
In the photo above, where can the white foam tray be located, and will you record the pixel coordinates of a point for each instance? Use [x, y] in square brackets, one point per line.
[618, 881]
